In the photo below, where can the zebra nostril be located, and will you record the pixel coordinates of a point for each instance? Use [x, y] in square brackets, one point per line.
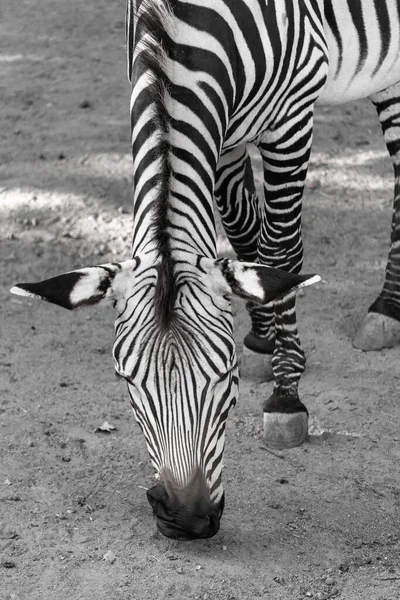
[157, 494]
[158, 499]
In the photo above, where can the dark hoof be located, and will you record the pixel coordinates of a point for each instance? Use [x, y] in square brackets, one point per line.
[285, 430]
[376, 332]
[256, 366]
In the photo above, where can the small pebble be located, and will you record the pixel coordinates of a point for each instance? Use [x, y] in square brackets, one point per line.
[198, 567]
[224, 548]
[85, 104]
[109, 557]
[329, 580]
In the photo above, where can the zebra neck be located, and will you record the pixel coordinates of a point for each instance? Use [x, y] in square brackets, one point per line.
[178, 117]
[173, 196]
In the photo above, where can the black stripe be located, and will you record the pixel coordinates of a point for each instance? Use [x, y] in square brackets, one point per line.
[357, 16]
[129, 29]
[382, 14]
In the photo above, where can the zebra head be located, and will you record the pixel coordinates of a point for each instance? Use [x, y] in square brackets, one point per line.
[174, 346]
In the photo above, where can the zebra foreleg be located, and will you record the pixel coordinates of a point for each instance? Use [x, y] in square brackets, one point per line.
[381, 326]
[239, 208]
[237, 202]
[285, 155]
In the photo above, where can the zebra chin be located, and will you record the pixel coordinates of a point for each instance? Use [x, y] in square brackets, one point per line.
[185, 513]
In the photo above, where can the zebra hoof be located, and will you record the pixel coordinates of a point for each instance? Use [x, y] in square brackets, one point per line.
[256, 366]
[285, 430]
[376, 332]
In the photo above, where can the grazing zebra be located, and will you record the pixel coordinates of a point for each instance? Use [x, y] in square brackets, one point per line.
[209, 77]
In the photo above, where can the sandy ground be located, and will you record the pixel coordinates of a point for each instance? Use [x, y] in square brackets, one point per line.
[319, 521]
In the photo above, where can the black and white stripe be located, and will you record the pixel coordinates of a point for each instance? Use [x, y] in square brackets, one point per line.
[182, 380]
[210, 76]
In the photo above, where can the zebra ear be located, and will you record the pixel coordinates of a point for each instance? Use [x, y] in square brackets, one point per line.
[256, 282]
[79, 288]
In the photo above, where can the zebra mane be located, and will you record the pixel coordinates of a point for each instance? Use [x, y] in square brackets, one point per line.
[146, 22]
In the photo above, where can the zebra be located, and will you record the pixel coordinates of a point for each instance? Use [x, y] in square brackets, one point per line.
[208, 78]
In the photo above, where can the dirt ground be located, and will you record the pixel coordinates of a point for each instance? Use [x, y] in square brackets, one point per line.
[320, 521]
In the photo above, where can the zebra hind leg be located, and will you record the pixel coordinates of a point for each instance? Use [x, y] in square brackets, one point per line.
[238, 205]
[381, 326]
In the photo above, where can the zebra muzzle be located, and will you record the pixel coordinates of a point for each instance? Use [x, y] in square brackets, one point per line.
[194, 520]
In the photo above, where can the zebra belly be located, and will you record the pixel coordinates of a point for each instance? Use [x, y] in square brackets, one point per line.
[345, 88]
[363, 50]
